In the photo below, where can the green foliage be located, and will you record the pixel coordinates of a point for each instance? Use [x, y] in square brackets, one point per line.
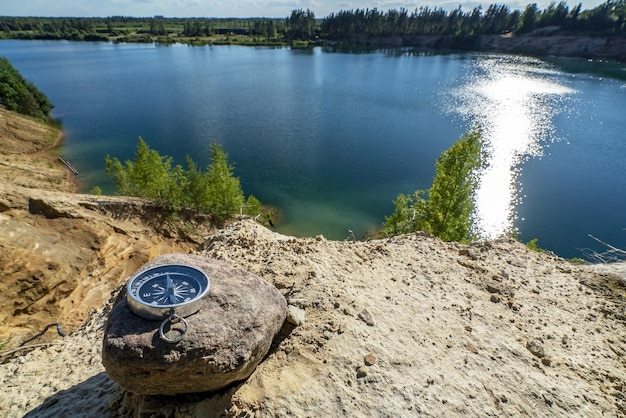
[152, 176]
[19, 95]
[532, 245]
[403, 219]
[301, 25]
[252, 206]
[96, 191]
[224, 191]
[577, 261]
[529, 19]
[447, 210]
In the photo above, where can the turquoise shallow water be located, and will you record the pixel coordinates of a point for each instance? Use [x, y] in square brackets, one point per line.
[330, 138]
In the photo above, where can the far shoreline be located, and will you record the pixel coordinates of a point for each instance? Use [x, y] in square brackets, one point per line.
[541, 43]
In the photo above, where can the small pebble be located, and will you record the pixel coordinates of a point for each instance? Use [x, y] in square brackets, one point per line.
[366, 317]
[535, 348]
[295, 315]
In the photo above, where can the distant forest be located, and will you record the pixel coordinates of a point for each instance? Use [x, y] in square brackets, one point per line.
[608, 19]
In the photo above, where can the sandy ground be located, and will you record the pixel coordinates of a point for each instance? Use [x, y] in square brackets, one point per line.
[402, 327]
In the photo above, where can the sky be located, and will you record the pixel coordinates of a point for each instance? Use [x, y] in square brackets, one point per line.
[240, 8]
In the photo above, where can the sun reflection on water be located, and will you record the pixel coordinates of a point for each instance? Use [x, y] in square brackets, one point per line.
[513, 101]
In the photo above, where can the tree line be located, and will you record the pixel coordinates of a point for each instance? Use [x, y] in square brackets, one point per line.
[607, 19]
[125, 28]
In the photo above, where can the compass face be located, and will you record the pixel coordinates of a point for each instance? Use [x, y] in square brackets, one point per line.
[154, 292]
[168, 289]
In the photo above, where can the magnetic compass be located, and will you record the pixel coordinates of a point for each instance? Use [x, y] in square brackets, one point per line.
[167, 292]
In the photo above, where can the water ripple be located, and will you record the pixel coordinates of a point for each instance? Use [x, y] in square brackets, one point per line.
[513, 101]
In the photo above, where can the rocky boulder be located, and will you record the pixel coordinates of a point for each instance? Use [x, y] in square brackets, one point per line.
[226, 339]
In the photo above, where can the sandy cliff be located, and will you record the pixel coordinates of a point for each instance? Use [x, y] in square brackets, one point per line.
[544, 42]
[61, 253]
[608, 48]
[402, 327]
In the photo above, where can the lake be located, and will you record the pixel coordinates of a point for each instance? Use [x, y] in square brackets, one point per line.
[330, 137]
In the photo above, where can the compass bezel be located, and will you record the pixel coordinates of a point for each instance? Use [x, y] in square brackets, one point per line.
[152, 311]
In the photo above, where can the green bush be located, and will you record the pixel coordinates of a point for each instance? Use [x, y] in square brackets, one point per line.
[252, 206]
[447, 210]
[225, 196]
[532, 245]
[152, 176]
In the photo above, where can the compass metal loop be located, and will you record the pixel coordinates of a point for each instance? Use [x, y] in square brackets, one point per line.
[174, 318]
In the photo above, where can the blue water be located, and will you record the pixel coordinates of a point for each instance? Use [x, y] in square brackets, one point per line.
[330, 138]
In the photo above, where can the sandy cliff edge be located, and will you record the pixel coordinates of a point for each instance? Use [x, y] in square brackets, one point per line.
[61, 253]
[400, 327]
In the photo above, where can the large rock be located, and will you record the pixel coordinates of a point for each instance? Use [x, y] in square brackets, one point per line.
[226, 339]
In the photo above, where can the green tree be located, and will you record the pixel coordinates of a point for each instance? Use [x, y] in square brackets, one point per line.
[301, 24]
[150, 176]
[447, 210]
[403, 218]
[120, 174]
[153, 176]
[150, 172]
[175, 192]
[224, 194]
[554, 14]
[252, 206]
[197, 187]
[529, 18]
